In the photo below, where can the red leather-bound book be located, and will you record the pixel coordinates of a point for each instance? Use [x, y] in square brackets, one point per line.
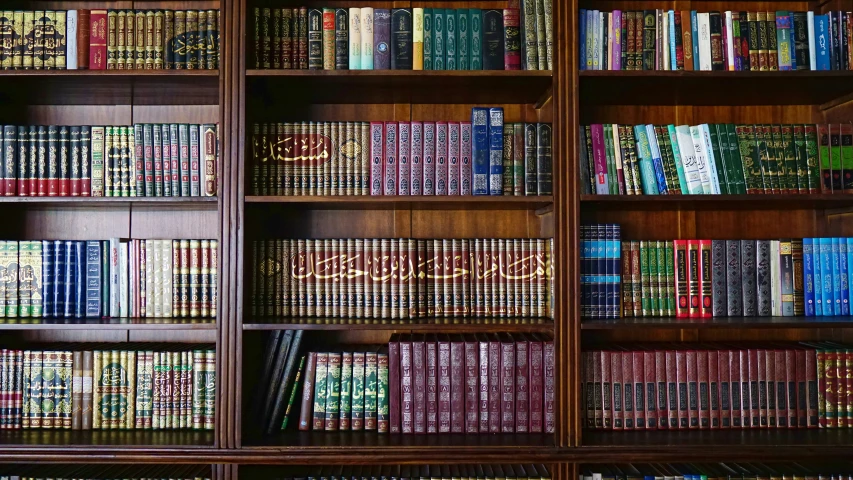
[522, 386]
[705, 285]
[441, 168]
[409, 309]
[419, 382]
[802, 392]
[620, 383]
[692, 388]
[824, 386]
[537, 378]
[683, 389]
[694, 279]
[793, 381]
[466, 174]
[431, 400]
[777, 382]
[477, 271]
[483, 387]
[640, 399]
[444, 385]
[457, 385]
[394, 385]
[606, 390]
[465, 263]
[495, 384]
[714, 387]
[495, 278]
[655, 373]
[724, 361]
[847, 396]
[763, 411]
[377, 286]
[307, 401]
[512, 39]
[595, 388]
[550, 390]
[672, 389]
[97, 40]
[682, 276]
[504, 251]
[754, 399]
[812, 385]
[507, 384]
[377, 144]
[407, 411]
[405, 159]
[472, 374]
[422, 270]
[446, 278]
[746, 391]
[737, 390]
[704, 388]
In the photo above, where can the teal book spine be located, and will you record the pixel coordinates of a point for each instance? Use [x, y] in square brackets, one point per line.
[647, 169]
[428, 40]
[463, 40]
[438, 39]
[450, 39]
[475, 26]
[676, 154]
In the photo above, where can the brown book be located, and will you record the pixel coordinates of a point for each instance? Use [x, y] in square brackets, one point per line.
[772, 53]
[687, 39]
[86, 385]
[168, 40]
[302, 36]
[84, 28]
[77, 391]
[159, 26]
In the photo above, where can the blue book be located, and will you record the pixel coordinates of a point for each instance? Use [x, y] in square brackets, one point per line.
[849, 242]
[818, 277]
[496, 151]
[836, 278]
[438, 39]
[582, 38]
[673, 65]
[822, 41]
[480, 149]
[105, 277]
[793, 35]
[826, 273]
[601, 269]
[93, 279]
[47, 269]
[842, 274]
[58, 278]
[70, 274]
[614, 267]
[657, 162]
[694, 22]
[80, 280]
[808, 277]
[647, 169]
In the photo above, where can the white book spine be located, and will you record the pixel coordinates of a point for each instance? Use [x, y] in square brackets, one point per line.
[71, 40]
[665, 35]
[688, 160]
[168, 254]
[418, 37]
[704, 41]
[123, 281]
[157, 291]
[149, 278]
[610, 40]
[812, 57]
[114, 277]
[367, 38]
[599, 44]
[730, 50]
[775, 290]
[355, 38]
[712, 162]
[701, 159]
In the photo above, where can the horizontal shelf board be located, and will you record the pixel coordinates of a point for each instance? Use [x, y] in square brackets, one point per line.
[718, 322]
[107, 324]
[726, 202]
[625, 87]
[110, 73]
[458, 326]
[106, 201]
[105, 439]
[401, 86]
[410, 202]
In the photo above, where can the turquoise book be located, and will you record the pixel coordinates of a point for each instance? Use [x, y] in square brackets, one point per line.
[463, 42]
[647, 169]
[676, 154]
[475, 26]
[428, 39]
[438, 39]
[450, 39]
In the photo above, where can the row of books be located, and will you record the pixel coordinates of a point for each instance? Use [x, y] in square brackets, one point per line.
[370, 38]
[416, 472]
[104, 472]
[160, 386]
[716, 159]
[733, 41]
[108, 278]
[716, 471]
[110, 39]
[711, 386]
[405, 158]
[141, 160]
[402, 278]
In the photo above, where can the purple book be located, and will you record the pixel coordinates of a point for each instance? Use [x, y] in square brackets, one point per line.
[453, 159]
[404, 159]
[601, 183]
[381, 39]
[465, 159]
[416, 165]
[429, 158]
[616, 50]
[441, 167]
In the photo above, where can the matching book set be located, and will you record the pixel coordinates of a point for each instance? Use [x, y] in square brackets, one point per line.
[717, 471]
[405, 38]
[421, 472]
[716, 159]
[483, 157]
[159, 386]
[109, 39]
[732, 41]
[141, 160]
[108, 278]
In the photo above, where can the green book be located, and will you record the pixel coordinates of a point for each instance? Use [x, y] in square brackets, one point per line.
[670, 169]
[769, 174]
[802, 158]
[62, 390]
[428, 40]
[659, 280]
[812, 159]
[358, 391]
[450, 39]
[669, 256]
[463, 39]
[748, 151]
[346, 391]
[847, 156]
[475, 24]
[676, 155]
[209, 393]
[645, 286]
[197, 411]
[612, 181]
[9, 262]
[30, 278]
[737, 161]
[294, 389]
[320, 391]
[50, 360]
[36, 387]
[333, 392]
[718, 159]
[837, 164]
[438, 45]
[370, 390]
[825, 161]
[789, 154]
[777, 155]
[382, 406]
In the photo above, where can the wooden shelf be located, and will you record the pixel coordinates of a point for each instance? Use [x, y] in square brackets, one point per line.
[105, 439]
[108, 324]
[624, 87]
[426, 325]
[408, 202]
[401, 86]
[718, 202]
[718, 323]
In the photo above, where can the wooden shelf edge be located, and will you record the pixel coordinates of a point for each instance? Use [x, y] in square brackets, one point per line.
[97, 324]
[484, 202]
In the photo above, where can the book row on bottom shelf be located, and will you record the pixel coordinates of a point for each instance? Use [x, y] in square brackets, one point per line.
[416, 384]
[109, 386]
[399, 278]
[418, 472]
[838, 469]
[713, 278]
[483, 157]
[729, 40]
[370, 38]
[716, 159]
[108, 278]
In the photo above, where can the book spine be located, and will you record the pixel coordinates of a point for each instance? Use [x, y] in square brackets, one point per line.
[444, 386]
[507, 382]
[441, 159]
[401, 39]
[370, 391]
[496, 120]
[470, 401]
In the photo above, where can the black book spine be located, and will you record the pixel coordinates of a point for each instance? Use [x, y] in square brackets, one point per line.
[64, 162]
[718, 278]
[747, 275]
[52, 160]
[212, 49]
[786, 277]
[281, 396]
[801, 40]
[762, 276]
[341, 39]
[835, 51]
[23, 155]
[543, 159]
[274, 380]
[530, 152]
[315, 39]
[845, 62]
[85, 160]
[33, 165]
[734, 289]
[584, 163]
[401, 39]
[382, 39]
[74, 134]
[493, 40]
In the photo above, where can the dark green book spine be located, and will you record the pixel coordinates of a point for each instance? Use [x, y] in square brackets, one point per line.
[463, 39]
[812, 159]
[293, 392]
[770, 177]
[53, 160]
[777, 156]
[321, 373]
[475, 21]
[438, 45]
[718, 159]
[669, 170]
[382, 406]
[212, 46]
[315, 39]
[654, 279]
[450, 41]
[493, 40]
[333, 392]
[358, 391]
[737, 160]
[789, 150]
[370, 390]
[428, 39]
[346, 391]
[802, 158]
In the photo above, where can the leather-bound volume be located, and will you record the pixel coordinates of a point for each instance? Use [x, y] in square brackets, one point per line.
[275, 38]
[536, 384]
[718, 278]
[772, 52]
[692, 376]
[315, 39]
[493, 40]
[406, 389]
[724, 360]
[606, 388]
[682, 279]
[683, 397]
[745, 389]
[149, 40]
[181, 43]
[381, 39]
[111, 42]
[49, 39]
[734, 289]
[511, 39]
[782, 373]
[638, 389]
[63, 154]
[762, 40]
[717, 57]
[419, 384]
[52, 158]
[23, 156]
[401, 39]
[169, 41]
[457, 385]
[8, 161]
[748, 277]
[507, 379]
[328, 38]
[795, 361]
[618, 369]
[121, 32]
[86, 160]
[495, 388]
[471, 379]
[307, 401]
[341, 60]
[139, 37]
[444, 386]
[703, 391]
[431, 391]
[191, 37]
[694, 279]
[762, 278]
[754, 391]
[714, 388]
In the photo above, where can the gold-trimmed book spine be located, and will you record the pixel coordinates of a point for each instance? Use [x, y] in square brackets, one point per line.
[139, 29]
[192, 37]
[112, 50]
[121, 49]
[49, 39]
[159, 20]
